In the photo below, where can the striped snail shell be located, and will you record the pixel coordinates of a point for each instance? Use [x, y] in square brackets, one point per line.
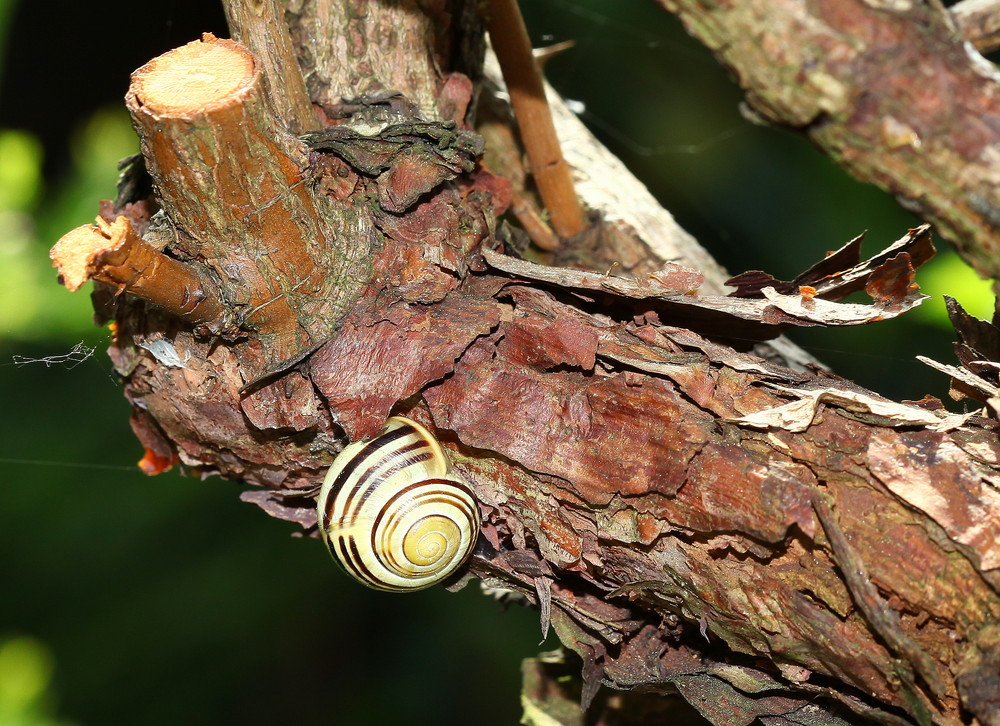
[392, 512]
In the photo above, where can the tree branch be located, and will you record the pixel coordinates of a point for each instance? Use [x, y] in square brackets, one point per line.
[260, 25]
[531, 109]
[891, 91]
[233, 184]
[344, 55]
[114, 254]
[979, 21]
[689, 518]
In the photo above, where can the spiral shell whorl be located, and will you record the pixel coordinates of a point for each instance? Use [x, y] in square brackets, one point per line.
[393, 514]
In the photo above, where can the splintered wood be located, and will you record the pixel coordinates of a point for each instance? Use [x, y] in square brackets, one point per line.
[116, 255]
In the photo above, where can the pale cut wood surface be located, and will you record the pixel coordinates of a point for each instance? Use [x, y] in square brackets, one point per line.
[194, 78]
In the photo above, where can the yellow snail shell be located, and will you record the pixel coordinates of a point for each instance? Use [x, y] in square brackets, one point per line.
[392, 512]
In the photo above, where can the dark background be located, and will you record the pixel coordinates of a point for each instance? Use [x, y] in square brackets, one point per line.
[126, 599]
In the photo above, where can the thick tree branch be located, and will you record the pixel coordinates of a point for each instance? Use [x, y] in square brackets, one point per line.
[689, 518]
[889, 90]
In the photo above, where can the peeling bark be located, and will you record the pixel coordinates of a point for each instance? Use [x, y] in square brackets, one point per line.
[690, 519]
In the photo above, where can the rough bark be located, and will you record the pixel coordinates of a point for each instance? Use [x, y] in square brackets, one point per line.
[891, 90]
[979, 21]
[768, 543]
[287, 268]
[260, 26]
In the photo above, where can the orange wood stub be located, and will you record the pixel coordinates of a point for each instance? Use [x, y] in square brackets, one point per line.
[233, 184]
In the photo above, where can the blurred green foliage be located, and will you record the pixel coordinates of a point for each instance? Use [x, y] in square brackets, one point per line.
[25, 677]
[32, 218]
[948, 275]
[20, 171]
[164, 600]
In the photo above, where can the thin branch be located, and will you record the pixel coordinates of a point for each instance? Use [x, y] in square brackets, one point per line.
[538, 231]
[534, 119]
[260, 25]
[116, 255]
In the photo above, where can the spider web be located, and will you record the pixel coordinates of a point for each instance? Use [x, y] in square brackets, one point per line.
[77, 355]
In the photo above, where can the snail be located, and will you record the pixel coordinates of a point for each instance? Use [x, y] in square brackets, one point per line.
[392, 512]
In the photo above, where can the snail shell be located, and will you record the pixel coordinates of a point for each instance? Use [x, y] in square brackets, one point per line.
[392, 512]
